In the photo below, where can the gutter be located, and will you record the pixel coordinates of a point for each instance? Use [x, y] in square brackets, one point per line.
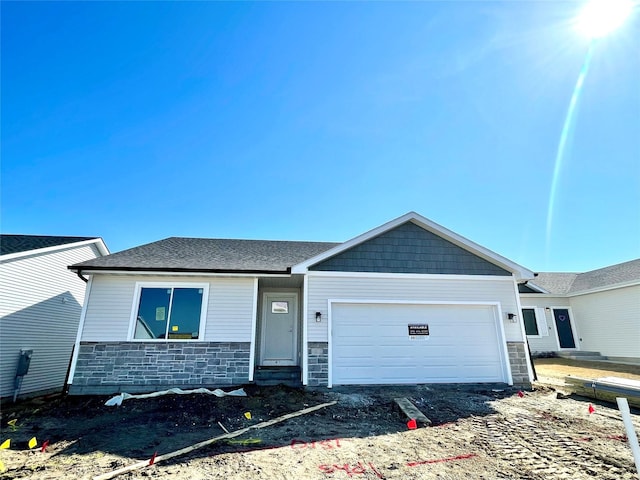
[163, 270]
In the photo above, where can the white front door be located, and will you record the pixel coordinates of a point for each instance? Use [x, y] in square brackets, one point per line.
[279, 339]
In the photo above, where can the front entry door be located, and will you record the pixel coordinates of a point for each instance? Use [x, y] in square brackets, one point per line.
[279, 340]
[563, 327]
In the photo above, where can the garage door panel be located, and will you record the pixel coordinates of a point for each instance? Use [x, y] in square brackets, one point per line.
[371, 344]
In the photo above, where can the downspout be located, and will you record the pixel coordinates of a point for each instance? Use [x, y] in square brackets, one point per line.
[79, 274]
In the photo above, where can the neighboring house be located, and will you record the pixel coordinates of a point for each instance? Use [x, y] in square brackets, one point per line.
[596, 311]
[40, 304]
[407, 302]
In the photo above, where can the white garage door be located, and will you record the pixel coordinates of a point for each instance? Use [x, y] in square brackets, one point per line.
[370, 344]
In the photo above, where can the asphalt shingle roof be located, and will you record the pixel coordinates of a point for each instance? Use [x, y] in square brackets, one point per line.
[567, 283]
[210, 255]
[23, 243]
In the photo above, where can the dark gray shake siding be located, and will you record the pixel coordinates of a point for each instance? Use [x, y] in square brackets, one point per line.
[409, 248]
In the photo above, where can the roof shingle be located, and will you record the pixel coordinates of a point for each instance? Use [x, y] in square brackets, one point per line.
[23, 243]
[209, 255]
[568, 283]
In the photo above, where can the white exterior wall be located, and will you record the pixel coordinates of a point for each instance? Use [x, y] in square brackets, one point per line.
[609, 321]
[40, 304]
[547, 343]
[445, 288]
[229, 312]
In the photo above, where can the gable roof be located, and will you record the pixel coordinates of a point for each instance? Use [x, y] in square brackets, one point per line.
[573, 283]
[518, 271]
[13, 246]
[203, 255]
[208, 255]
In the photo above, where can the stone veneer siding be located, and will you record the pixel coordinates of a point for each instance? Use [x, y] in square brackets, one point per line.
[518, 361]
[318, 364]
[135, 367]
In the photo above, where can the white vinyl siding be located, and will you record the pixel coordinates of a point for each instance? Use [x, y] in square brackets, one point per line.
[322, 288]
[40, 309]
[109, 308]
[548, 342]
[229, 309]
[609, 321]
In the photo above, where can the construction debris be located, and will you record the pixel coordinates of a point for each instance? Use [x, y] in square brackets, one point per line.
[411, 411]
[118, 399]
[205, 443]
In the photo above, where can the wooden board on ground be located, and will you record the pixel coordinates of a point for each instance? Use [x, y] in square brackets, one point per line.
[411, 411]
[606, 388]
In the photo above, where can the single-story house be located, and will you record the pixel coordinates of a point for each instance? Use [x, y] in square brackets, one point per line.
[407, 302]
[596, 311]
[40, 304]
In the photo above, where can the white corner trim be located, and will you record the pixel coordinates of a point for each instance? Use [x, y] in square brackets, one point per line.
[305, 331]
[504, 349]
[100, 245]
[254, 323]
[523, 332]
[518, 270]
[83, 315]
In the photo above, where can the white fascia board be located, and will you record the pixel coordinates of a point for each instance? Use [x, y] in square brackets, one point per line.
[412, 276]
[519, 271]
[88, 271]
[100, 245]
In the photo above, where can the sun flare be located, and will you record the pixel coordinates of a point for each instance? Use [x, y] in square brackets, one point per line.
[601, 17]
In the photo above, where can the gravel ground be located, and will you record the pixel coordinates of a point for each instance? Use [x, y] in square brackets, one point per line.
[477, 432]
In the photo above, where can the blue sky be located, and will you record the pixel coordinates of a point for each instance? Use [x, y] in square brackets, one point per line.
[136, 121]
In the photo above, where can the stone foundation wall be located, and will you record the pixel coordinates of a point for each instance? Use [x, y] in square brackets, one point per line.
[134, 367]
[518, 360]
[318, 364]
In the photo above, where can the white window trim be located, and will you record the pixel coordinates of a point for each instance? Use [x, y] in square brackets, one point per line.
[136, 303]
[541, 322]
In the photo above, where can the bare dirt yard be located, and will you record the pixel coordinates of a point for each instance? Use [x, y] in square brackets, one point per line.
[478, 432]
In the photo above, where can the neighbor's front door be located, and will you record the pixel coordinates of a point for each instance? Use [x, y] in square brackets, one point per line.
[563, 326]
[279, 345]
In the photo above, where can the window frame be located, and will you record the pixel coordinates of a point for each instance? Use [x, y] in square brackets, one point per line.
[535, 320]
[541, 321]
[136, 305]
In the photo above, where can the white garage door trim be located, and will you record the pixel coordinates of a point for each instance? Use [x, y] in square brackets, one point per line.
[506, 368]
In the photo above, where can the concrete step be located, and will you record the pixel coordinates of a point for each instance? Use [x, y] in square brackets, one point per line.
[290, 376]
[582, 355]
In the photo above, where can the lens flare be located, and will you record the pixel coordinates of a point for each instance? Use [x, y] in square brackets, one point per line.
[565, 137]
[601, 17]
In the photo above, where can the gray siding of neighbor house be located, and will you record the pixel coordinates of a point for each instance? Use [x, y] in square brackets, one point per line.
[137, 367]
[409, 248]
[40, 305]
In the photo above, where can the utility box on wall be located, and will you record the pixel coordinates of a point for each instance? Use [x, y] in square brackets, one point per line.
[23, 362]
